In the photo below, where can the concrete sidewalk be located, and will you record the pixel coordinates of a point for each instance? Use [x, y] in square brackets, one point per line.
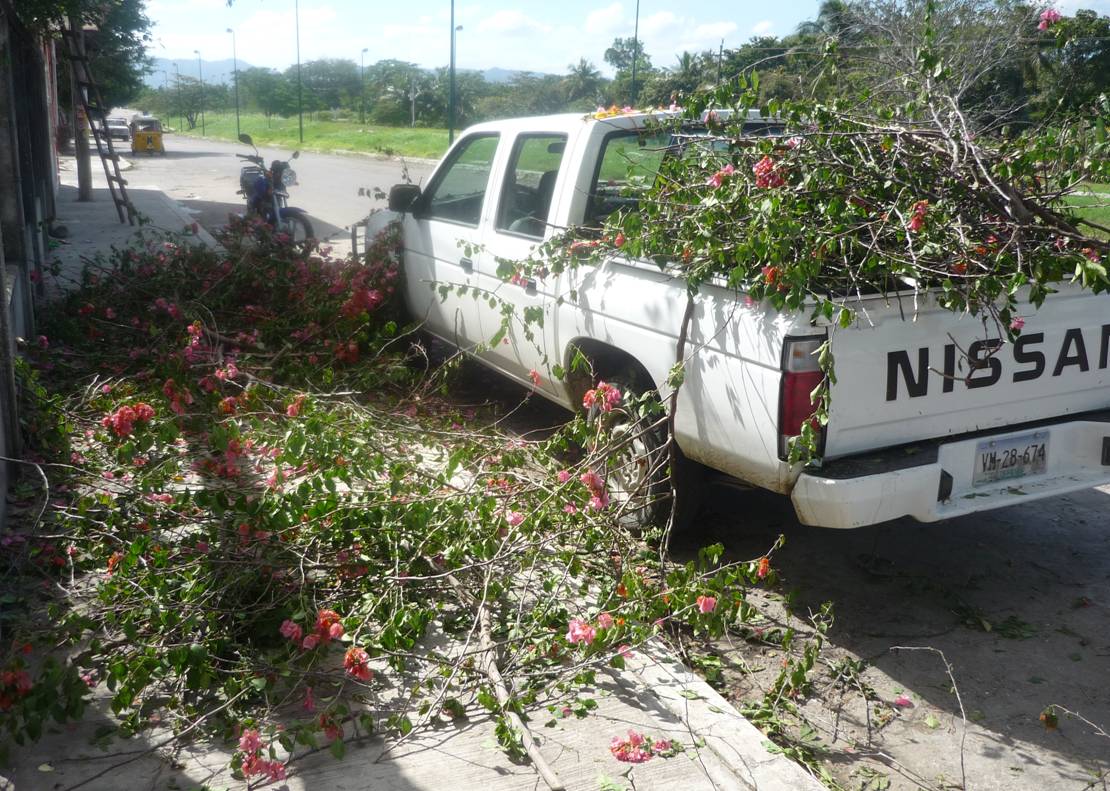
[655, 695]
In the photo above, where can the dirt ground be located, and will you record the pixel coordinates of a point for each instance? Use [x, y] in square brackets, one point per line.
[1016, 601]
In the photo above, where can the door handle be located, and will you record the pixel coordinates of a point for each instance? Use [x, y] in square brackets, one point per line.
[467, 265]
[530, 286]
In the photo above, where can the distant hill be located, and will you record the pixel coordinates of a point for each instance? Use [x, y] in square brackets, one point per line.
[215, 71]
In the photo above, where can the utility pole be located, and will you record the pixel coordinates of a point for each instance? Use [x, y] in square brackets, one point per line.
[80, 122]
[200, 74]
[235, 71]
[300, 107]
[720, 55]
[180, 107]
[451, 86]
[635, 52]
[362, 85]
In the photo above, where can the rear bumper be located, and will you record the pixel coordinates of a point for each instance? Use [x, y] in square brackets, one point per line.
[935, 482]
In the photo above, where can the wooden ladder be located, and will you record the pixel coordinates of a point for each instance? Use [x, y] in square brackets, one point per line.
[88, 94]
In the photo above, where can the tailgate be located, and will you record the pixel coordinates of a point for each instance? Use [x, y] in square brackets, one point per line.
[901, 380]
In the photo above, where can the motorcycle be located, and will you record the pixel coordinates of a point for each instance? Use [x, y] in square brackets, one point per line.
[267, 196]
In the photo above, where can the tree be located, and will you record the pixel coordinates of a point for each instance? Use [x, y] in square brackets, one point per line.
[582, 83]
[1073, 74]
[621, 56]
[267, 90]
[328, 84]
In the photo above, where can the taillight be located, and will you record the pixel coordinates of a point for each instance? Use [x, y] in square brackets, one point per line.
[801, 375]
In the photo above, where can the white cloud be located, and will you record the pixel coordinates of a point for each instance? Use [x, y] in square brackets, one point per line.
[762, 27]
[509, 21]
[657, 23]
[604, 21]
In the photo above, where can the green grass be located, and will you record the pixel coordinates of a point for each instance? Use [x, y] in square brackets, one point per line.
[1095, 208]
[326, 135]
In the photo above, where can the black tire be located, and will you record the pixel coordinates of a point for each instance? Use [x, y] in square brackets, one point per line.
[645, 479]
[297, 225]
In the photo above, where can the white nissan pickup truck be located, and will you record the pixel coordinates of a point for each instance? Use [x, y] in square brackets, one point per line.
[908, 434]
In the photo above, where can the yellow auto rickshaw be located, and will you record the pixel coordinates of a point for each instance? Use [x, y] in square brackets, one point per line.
[146, 135]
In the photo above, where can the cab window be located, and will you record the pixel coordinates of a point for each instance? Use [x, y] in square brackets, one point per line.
[526, 195]
[628, 165]
[459, 189]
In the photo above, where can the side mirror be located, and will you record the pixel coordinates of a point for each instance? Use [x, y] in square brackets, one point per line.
[402, 197]
[295, 154]
[245, 138]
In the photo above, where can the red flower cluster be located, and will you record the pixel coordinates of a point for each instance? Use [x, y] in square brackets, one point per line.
[357, 663]
[14, 684]
[917, 221]
[767, 173]
[123, 420]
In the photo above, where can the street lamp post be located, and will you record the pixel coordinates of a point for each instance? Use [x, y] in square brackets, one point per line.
[180, 108]
[451, 87]
[362, 85]
[235, 71]
[200, 74]
[297, 25]
[635, 52]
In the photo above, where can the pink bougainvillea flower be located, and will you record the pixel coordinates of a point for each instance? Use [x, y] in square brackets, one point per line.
[534, 375]
[1049, 17]
[291, 631]
[1017, 323]
[357, 663]
[903, 702]
[250, 742]
[309, 702]
[619, 239]
[514, 518]
[563, 476]
[633, 750]
[570, 508]
[605, 396]
[706, 604]
[592, 480]
[625, 650]
[605, 621]
[767, 173]
[310, 642]
[599, 501]
[44, 342]
[578, 631]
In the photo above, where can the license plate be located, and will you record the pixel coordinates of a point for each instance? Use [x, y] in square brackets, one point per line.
[1013, 457]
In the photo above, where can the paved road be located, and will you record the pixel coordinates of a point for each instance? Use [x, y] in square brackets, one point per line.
[204, 175]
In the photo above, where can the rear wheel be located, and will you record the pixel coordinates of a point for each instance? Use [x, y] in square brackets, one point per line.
[645, 481]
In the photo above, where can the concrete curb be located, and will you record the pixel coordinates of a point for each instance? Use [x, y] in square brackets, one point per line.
[180, 212]
[345, 152]
[734, 740]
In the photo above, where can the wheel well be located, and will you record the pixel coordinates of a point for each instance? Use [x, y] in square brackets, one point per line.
[605, 362]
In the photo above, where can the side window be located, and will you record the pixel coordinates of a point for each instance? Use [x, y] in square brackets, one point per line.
[458, 191]
[526, 195]
[628, 165]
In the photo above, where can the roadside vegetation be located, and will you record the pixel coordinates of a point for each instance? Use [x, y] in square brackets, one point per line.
[322, 134]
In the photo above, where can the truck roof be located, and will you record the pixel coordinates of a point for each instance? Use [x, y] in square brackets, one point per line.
[567, 122]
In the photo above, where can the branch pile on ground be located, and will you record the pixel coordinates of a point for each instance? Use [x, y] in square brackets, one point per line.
[260, 525]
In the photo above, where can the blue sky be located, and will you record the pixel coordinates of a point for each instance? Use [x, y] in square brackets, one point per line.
[532, 36]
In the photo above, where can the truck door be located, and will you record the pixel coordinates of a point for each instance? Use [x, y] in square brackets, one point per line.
[521, 220]
[447, 218]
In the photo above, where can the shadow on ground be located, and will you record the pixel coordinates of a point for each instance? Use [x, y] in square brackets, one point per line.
[213, 216]
[1016, 599]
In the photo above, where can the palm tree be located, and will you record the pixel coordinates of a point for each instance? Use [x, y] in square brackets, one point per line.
[582, 81]
[834, 18]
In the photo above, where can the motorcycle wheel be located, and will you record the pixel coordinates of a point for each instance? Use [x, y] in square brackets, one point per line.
[297, 226]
